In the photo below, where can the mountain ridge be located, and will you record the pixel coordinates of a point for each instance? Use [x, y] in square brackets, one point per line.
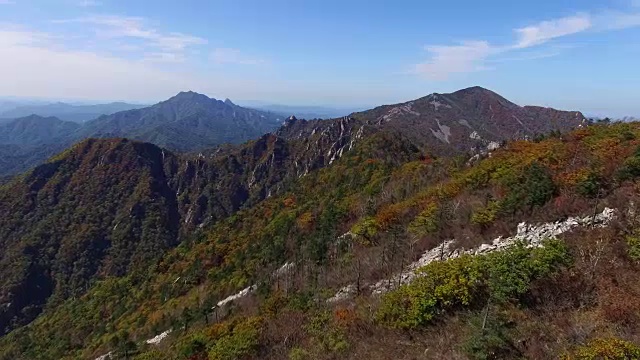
[185, 122]
[68, 112]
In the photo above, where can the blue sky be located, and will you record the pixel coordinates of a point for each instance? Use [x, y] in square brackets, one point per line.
[567, 54]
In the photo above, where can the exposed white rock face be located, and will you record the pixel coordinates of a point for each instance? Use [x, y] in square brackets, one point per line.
[285, 269]
[338, 147]
[532, 235]
[244, 292]
[474, 135]
[437, 104]
[106, 356]
[358, 136]
[473, 159]
[520, 122]
[158, 338]
[443, 133]
[397, 112]
[345, 293]
[493, 146]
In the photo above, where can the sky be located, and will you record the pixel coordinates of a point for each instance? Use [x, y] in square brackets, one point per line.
[569, 54]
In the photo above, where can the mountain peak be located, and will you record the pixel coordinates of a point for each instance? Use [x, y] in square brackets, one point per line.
[190, 96]
[475, 90]
[478, 93]
[229, 102]
[290, 120]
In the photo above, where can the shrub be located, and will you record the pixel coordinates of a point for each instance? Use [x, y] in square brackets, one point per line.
[631, 167]
[328, 338]
[366, 228]
[149, 355]
[606, 349]
[633, 243]
[534, 187]
[299, 354]
[590, 185]
[490, 340]
[426, 222]
[446, 285]
[442, 285]
[241, 341]
[487, 215]
[194, 344]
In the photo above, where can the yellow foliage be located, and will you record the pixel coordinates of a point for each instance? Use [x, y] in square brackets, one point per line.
[305, 221]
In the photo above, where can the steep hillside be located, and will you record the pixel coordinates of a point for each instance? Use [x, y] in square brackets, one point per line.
[358, 223]
[101, 208]
[143, 191]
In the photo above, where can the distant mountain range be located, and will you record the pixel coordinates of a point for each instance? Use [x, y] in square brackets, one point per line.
[466, 121]
[64, 111]
[185, 122]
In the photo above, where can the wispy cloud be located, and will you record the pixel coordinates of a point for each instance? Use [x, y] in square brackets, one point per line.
[477, 55]
[445, 60]
[233, 56]
[32, 65]
[548, 30]
[169, 44]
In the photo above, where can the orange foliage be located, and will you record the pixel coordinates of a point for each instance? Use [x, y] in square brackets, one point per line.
[579, 134]
[289, 202]
[388, 215]
[345, 317]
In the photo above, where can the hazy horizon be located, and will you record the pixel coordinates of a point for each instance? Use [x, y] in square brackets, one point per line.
[573, 55]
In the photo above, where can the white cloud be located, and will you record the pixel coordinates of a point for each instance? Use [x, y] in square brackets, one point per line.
[30, 68]
[36, 64]
[548, 30]
[471, 56]
[233, 56]
[171, 44]
[447, 60]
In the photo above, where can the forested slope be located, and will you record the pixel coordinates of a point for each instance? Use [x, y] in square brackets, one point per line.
[363, 219]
